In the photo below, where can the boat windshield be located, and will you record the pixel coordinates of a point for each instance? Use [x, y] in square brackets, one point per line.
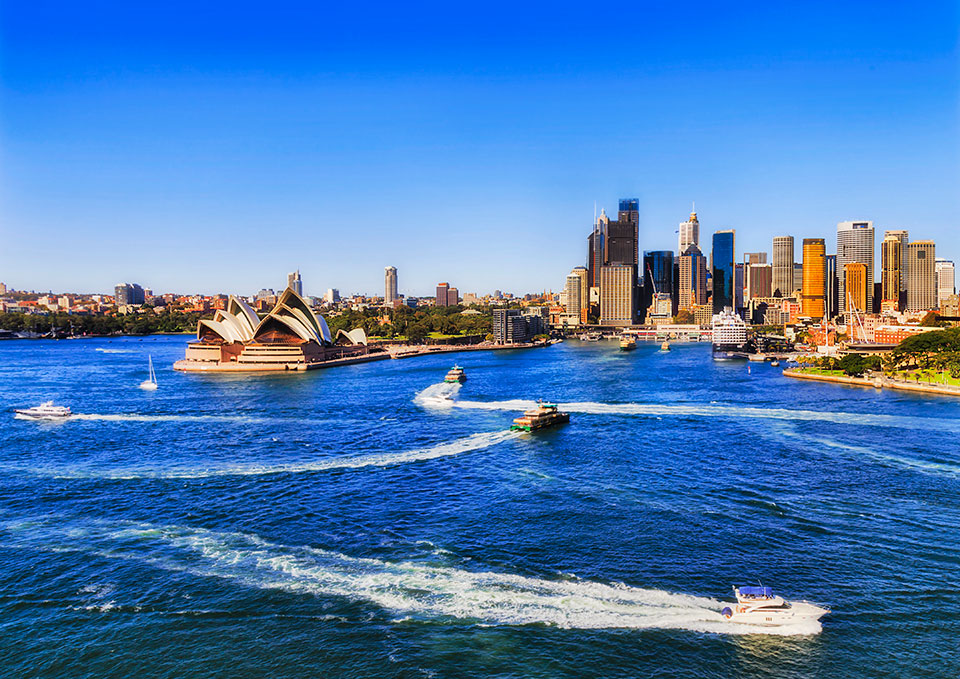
[756, 592]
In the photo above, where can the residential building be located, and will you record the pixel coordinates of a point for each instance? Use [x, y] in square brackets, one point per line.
[891, 269]
[855, 244]
[617, 302]
[453, 296]
[689, 233]
[920, 263]
[128, 294]
[511, 326]
[294, 282]
[390, 294]
[782, 266]
[722, 259]
[946, 280]
[814, 271]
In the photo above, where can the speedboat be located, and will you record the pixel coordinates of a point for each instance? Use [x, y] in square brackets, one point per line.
[760, 606]
[455, 375]
[544, 415]
[45, 411]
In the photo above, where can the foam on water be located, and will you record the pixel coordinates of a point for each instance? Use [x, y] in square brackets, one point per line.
[437, 395]
[736, 412]
[114, 351]
[448, 449]
[412, 591]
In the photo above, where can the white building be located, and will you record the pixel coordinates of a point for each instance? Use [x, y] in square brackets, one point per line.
[390, 285]
[689, 232]
[946, 280]
[855, 244]
[294, 282]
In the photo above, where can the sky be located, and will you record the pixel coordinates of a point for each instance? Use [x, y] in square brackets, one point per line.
[213, 147]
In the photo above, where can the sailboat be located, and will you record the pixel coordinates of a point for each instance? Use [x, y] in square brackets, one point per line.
[150, 384]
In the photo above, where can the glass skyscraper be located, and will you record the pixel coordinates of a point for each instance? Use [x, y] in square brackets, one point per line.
[657, 275]
[723, 269]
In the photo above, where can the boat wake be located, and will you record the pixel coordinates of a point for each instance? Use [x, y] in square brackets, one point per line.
[113, 351]
[438, 395]
[736, 412]
[449, 449]
[134, 417]
[409, 590]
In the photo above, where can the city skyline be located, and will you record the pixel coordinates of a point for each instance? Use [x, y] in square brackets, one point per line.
[126, 145]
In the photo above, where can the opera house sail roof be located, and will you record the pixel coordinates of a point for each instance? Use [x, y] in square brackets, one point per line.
[291, 321]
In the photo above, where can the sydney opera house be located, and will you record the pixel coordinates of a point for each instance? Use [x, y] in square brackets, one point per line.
[290, 337]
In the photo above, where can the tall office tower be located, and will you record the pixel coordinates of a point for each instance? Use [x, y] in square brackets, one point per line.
[689, 233]
[722, 258]
[830, 286]
[946, 280]
[623, 234]
[578, 293]
[453, 296]
[617, 302]
[390, 285]
[657, 276]
[692, 279]
[904, 237]
[758, 281]
[855, 286]
[332, 296]
[442, 290]
[293, 281]
[754, 258]
[797, 277]
[739, 280]
[855, 244]
[597, 249]
[782, 266]
[891, 266]
[814, 290]
[920, 262]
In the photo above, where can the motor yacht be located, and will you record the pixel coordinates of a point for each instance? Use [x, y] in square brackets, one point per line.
[45, 411]
[455, 375]
[760, 606]
[544, 415]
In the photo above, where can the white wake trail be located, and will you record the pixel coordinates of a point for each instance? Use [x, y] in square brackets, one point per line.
[437, 396]
[449, 449]
[410, 590]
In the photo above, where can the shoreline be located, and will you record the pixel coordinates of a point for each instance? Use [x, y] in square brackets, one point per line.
[879, 382]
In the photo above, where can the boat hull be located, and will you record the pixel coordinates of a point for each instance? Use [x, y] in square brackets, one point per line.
[559, 418]
[798, 612]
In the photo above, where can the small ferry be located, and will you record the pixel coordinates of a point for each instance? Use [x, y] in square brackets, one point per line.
[45, 411]
[544, 415]
[627, 343]
[455, 375]
[665, 346]
[760, 606]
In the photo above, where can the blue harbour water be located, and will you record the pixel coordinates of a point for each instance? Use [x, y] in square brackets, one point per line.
[353, 523]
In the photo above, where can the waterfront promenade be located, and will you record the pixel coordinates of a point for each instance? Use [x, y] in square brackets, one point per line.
[876, 381]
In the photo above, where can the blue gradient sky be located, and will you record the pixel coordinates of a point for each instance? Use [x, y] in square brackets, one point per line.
[216, 148]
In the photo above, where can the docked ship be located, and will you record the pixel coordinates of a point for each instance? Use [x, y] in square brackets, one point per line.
[729, 334]
[544, 415]
[627, 343]
[45, 411]
[455, 375]
[760, 606]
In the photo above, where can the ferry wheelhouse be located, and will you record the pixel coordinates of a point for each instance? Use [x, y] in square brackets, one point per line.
[455, 375]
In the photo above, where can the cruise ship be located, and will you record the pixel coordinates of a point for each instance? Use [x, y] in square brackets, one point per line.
[729, 334]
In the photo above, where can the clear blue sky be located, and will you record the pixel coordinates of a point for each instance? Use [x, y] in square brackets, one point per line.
[204, 147]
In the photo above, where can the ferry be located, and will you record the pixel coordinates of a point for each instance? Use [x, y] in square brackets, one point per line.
[455, 375]
[760, 606]
[45, 411]
[665, 346]
[729, 334]
[627, 343]
[544, 415]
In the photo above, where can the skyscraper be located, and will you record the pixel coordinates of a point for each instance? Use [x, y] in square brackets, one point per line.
[904, 237]
[657, 275]
[855, 286]
[758, 279]
[692, 278]
[597, 249]
[453, 296]
[293, 281]
[855, 244]
[830, 286]
[617, 302]
[754, 257]
[689, 233]
[442, 290]
[390, 285]
[128, 293]
[891, 263]
[813, 290]
[578, 293]
[782, 266]
[723, 258]
[920, 260]
[946, 280]
[623, 234]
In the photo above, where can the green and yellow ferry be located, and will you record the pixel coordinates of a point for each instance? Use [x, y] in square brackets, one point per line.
[544, 415]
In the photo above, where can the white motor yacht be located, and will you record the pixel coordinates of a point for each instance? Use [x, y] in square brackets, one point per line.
[45, 411]
[760, 606]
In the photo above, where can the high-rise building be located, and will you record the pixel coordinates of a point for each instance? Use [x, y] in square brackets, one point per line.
[657, 275]
[723, 258]
[617, 302]
[692, 279]
[754, 258]
[814, 272]
[442, 290]
[689, 233]
[390, 285]
[577, 294]
[453, 296]
[946, 280]
[128, 294]
[920, 263]
[830, 284]
[855, 244]
[597, 249]
[758, 279]
[797, 277]
[332, 296]
[623, 234]
[293, 281]
[891, 268]
[782, 266]
[855, 286]
[904, 237]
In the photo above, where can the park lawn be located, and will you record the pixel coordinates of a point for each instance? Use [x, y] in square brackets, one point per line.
[824, 371]
[929, 376]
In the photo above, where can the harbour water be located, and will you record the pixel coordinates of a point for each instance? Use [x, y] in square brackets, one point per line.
[352, 522]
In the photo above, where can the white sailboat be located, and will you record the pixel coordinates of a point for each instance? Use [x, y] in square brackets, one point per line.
[150, 384]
